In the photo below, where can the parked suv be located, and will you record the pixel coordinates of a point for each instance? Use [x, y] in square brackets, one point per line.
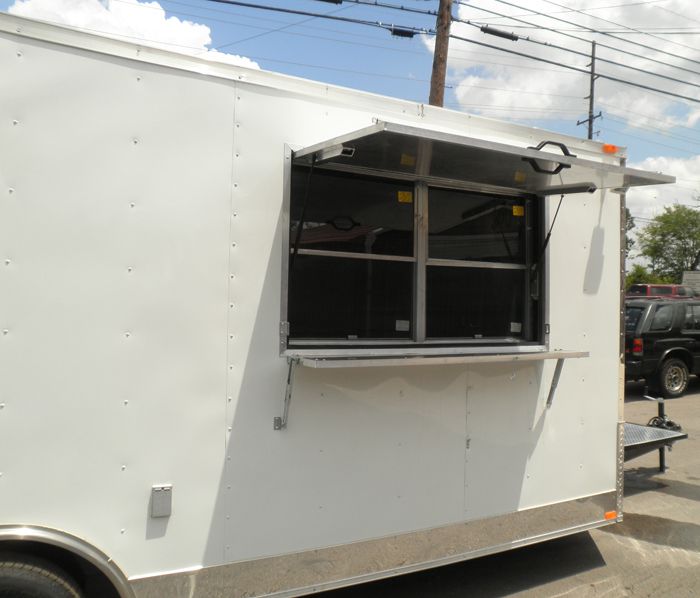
[662, 343]
[665, 291]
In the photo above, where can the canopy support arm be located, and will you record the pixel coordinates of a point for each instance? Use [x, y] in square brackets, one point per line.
[555, 381]
[280, 423]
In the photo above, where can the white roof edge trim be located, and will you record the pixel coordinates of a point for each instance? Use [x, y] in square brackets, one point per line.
[73, 37]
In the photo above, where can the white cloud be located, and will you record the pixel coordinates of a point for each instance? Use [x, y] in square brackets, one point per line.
[143, 22]
[523, 88]
[647, 202]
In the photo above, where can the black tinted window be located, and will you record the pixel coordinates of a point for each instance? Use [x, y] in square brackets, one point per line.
[692, 317]
[632, 315]
[354, 214]
[470, 226]
[637, 289]
[663, 317]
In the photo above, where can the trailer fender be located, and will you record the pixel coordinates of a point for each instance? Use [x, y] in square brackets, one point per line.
[58, 547]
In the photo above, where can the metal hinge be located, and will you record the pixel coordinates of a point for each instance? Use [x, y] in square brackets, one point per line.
[284, 335]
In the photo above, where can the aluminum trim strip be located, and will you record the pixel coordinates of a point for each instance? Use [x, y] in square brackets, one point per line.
[357, 256]
[350, 362]
[475, 264]
[431, 181]
[77, 546]
[337, 566]
[423, 351]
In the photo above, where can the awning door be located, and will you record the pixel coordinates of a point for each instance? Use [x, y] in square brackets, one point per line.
[414, 153]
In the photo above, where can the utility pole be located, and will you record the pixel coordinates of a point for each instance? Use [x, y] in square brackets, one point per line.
[591, 97]
[442, 40]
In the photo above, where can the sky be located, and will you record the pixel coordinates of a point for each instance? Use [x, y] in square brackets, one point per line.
[643, 48]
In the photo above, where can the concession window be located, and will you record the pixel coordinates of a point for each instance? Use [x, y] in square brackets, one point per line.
[413, 243]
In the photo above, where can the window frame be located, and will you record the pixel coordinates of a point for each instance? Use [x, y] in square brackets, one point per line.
[421, 261]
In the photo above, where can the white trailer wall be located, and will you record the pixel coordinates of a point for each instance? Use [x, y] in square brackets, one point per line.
[141, 231]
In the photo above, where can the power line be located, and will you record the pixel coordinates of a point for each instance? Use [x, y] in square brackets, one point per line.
[391, 48]
[673, 12]
[617, 5]
[592, 30]
[580, 70]
[618, 64]
[652, 130]
[539, 93]
[343, 70]
[658, 130]
[397, 30]
[658, 30]
[378, 4]
[583, 12]
[582, 39]
[277, 30]
[647, 140]
[430, 32]
[578, 38]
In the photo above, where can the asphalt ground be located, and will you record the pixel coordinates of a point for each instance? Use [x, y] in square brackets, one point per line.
[655, 551]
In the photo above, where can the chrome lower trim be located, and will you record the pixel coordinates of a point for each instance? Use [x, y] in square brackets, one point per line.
[77, 546]
[337, 566]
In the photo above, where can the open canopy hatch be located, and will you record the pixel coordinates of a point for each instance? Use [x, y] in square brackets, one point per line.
[402, 151]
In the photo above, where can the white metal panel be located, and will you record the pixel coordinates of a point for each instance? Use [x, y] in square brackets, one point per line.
[278, 479]
[345, 468]
[114, 299]
[195, 264]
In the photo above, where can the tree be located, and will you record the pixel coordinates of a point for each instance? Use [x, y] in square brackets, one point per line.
[640, 275]
[671, 242]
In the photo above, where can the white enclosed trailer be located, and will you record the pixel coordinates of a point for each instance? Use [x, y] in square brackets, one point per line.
[264, 336]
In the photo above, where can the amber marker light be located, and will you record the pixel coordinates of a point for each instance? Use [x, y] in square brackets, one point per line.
[609, 148]
[610, 515]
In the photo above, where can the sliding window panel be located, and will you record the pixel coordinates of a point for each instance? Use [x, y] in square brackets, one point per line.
[477, 303]
[476, 227]
[350, 299]
[353, 214]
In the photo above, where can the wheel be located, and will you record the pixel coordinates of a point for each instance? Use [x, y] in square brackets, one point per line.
[673, 378]
[27, 577]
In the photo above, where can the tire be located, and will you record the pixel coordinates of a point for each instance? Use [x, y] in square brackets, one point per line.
[673, 378]
[27, 577]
